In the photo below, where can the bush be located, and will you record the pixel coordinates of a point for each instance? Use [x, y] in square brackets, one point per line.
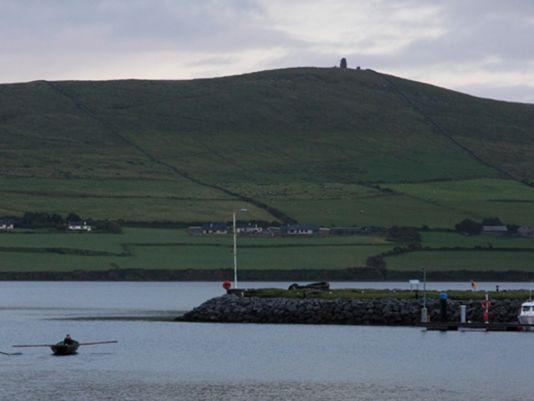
[41, 220]
[376, 262]
[491, 221]
[468, 226]
[110, 227]
[403, 234]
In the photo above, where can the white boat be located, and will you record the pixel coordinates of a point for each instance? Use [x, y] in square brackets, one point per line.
[526, 314]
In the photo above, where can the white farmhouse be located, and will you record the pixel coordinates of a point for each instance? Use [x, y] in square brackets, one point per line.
[79, 226]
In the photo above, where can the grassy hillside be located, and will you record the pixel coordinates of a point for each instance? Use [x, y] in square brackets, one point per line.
[306, 144]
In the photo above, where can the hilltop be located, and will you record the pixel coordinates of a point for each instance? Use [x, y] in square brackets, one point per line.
[317, 145]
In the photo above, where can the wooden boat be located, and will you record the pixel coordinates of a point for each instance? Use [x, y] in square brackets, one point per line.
[61, 348]
[65, 349]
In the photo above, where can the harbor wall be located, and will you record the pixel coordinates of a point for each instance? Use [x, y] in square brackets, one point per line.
[387, 311]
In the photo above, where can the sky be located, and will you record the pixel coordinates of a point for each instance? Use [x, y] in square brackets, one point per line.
[481, 47]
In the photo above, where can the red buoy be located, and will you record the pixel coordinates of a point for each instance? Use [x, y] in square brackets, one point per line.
[227, 284]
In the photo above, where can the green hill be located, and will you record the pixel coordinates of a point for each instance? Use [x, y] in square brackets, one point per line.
[328, 146]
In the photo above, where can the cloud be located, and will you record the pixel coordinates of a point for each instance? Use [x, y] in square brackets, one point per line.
[483, 46]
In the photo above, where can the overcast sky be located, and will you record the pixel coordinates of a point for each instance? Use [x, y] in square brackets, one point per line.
[481, 47]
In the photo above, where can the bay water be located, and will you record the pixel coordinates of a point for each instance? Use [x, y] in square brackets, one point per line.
[165, 360]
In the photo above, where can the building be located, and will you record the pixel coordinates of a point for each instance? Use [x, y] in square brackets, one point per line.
[299, 229]
[248, 228]
[526, 231]
[494, 229]
[215, 228]
[348, 230]
[7, 225]
[79, 226]
[324, 231]
[273, 231]
[194, 230]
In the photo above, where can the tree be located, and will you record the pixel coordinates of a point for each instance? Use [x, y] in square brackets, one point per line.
[113, 227]
[376, 262]
[491, 221]
[41, 220]
[468, 226]
[109, 226]
[73, 217]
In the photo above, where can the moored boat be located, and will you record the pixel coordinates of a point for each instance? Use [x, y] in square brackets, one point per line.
[526, 315]
[65, 349]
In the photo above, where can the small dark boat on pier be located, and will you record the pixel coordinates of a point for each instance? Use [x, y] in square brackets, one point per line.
[65, 349]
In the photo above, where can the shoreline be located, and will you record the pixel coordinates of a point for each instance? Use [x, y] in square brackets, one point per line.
[349, 274]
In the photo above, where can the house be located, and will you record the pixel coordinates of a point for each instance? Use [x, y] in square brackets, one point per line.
[273, 231]
[526, 231]
[348, 230]
[494, 229]
[248, 228]
[324, 231]
[215, 228]
[79, 226]
[194, 230]
[299, 229]
[7, 225]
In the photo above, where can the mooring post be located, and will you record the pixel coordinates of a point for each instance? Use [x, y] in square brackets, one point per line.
[443, 306]
[463, 313]
[485, 307]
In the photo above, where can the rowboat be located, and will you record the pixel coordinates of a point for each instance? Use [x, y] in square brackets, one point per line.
[61, 348]
[65, 349]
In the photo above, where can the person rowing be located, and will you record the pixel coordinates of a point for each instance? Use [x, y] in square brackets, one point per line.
[68, 340]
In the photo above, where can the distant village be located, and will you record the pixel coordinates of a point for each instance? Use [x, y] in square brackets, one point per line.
[467, 227]
[308, 230]
[7, 225]
[72, 223]
[278, 231]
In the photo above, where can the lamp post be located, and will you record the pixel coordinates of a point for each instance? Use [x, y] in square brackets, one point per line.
[235, 248]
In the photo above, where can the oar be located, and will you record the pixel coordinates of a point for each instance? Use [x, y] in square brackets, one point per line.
[10, 353]
[100, 342]
[52, 345]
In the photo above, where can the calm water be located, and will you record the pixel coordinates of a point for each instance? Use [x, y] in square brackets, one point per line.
[184, 361]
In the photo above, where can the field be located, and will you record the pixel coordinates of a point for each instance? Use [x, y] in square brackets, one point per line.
[509, 200]
[463, 260]
[439, 204]
[436, 204]
[174, 249]
[451, 251]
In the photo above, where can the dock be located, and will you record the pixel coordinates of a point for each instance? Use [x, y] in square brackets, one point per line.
[477, 326]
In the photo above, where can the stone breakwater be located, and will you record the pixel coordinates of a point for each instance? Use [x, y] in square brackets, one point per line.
[390, 311]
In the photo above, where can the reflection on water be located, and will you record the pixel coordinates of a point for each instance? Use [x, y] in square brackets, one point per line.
[186, 361]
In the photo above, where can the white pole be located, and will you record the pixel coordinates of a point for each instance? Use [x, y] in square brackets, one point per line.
[424, 310]
[235, 255]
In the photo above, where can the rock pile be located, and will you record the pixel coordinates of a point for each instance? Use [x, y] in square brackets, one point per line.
[401, 312]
